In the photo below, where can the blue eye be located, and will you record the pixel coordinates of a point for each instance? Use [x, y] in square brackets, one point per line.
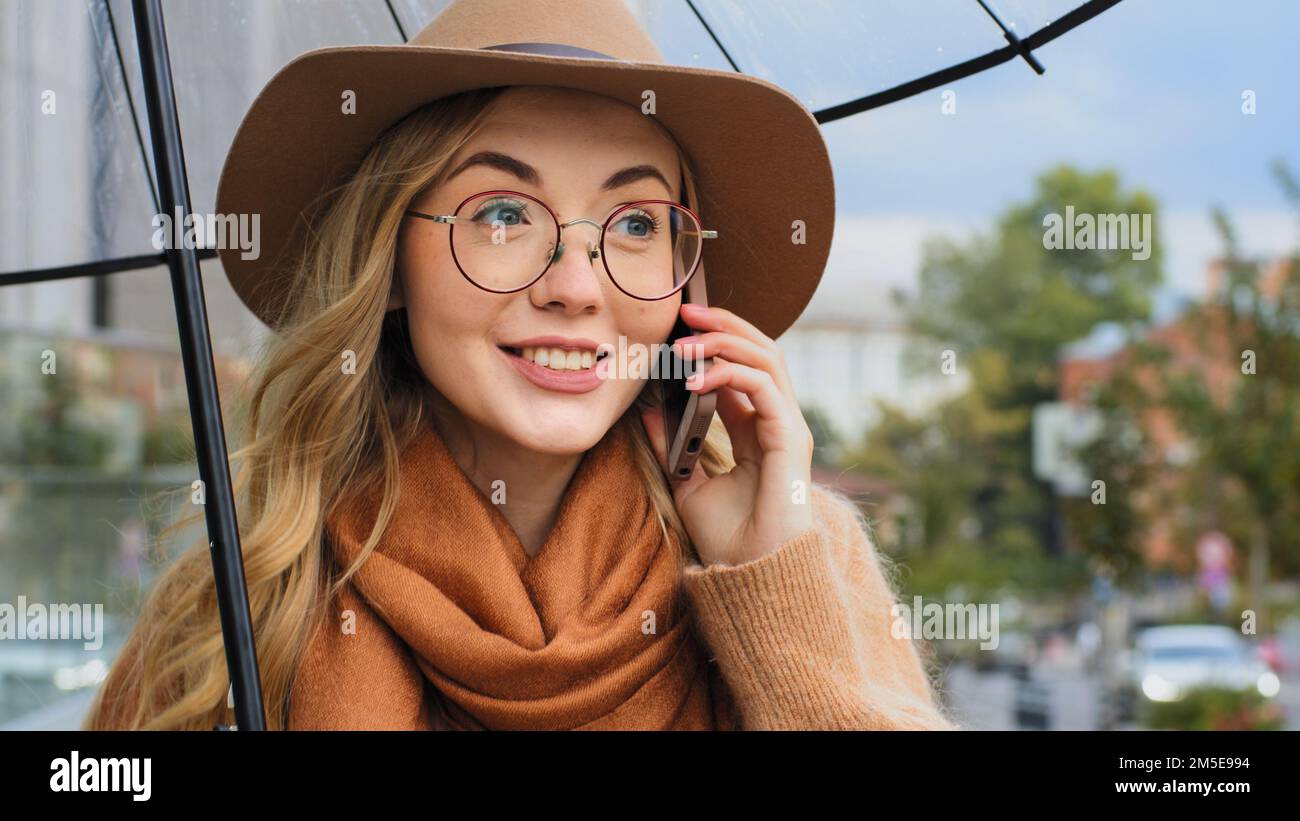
[640, 225]
[508, 211]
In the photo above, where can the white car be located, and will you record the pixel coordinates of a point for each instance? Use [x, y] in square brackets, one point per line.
[1171, 660]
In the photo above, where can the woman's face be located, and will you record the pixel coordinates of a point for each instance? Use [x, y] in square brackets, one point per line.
[562, 147]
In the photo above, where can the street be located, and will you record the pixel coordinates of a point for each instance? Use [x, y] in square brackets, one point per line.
[986, 701]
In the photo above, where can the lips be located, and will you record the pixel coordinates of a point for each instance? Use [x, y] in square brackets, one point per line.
[556, 363]
[552, 341]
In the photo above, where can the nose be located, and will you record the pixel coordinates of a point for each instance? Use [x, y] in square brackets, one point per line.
[572, 284]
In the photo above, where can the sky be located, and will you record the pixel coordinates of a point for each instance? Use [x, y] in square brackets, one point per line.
[1150, 88]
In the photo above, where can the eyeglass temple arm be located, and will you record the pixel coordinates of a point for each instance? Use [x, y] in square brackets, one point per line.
[434, 217]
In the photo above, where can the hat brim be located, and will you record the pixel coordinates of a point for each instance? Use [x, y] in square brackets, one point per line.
[761, 161]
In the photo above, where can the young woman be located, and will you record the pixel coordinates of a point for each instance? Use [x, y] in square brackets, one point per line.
[453, 515]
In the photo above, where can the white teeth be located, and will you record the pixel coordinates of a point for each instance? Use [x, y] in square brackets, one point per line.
[558, 359]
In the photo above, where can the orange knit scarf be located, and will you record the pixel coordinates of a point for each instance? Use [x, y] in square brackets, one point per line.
[449, 623]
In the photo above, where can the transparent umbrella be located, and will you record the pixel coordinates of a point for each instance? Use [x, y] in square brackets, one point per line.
[112, 118]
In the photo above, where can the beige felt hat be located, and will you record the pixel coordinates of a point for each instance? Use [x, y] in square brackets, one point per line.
[763, 171]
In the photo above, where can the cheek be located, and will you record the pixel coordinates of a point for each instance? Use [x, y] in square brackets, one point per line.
[452, 350]
[431, 285]
[649, 322]
[646, 324]
[446, 317]
[421, 267]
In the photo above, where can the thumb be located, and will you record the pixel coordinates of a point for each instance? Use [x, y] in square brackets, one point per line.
[654, 427]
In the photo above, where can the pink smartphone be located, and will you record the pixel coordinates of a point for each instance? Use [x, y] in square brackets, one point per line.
[687, 414]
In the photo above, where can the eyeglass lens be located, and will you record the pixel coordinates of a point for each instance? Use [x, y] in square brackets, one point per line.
[505, 241]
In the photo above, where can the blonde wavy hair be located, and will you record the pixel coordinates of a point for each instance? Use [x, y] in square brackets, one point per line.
[310, 439]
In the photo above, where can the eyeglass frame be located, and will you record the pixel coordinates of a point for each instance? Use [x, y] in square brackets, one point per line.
[450, 219]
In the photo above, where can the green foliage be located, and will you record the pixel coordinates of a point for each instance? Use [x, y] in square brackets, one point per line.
[1006, 306]
[985, 572]
[52, 435]
[170, 442]
[1210, 708]
[1009, 293]
[1112, 533]
[1243, 476]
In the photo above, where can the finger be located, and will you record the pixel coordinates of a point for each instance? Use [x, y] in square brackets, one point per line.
[713, 318]
[737, 349]
[737, 415]
[758, 385]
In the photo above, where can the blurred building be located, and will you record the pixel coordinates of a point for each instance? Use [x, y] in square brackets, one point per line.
[1195, 346]
[847, 356]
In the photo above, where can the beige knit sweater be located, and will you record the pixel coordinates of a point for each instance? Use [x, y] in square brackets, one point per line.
[803, 636]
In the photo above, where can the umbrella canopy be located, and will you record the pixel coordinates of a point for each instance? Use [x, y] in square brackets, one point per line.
[118, 118]
[76, 169]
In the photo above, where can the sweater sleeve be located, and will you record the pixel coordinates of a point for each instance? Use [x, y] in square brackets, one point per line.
[803, 635]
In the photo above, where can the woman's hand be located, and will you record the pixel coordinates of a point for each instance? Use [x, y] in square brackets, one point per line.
[766, 500]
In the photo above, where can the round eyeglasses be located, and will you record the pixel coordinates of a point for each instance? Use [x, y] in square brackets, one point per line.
[505, 241]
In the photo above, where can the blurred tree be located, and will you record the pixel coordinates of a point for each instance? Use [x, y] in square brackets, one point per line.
[1121, 457]
[1245, 429]
[52, 434]
[1010, 293]
[1004, 306]
[1229, 383]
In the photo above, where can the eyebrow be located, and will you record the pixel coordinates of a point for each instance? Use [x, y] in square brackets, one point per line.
[526, 173]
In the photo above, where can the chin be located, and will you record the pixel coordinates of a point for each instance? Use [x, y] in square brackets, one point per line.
[557, 437]
[559, 423]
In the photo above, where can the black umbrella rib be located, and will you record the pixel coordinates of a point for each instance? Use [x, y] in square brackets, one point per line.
[917, 86]
[397, 21]
[716, 41]
[94, 269]
[1073, 19]
[1038, 39]
[1016, 43]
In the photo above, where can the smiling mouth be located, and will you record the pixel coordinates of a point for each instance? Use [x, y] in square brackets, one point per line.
[558, 359]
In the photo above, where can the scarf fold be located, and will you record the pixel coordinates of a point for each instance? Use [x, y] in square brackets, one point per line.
[450, 624]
